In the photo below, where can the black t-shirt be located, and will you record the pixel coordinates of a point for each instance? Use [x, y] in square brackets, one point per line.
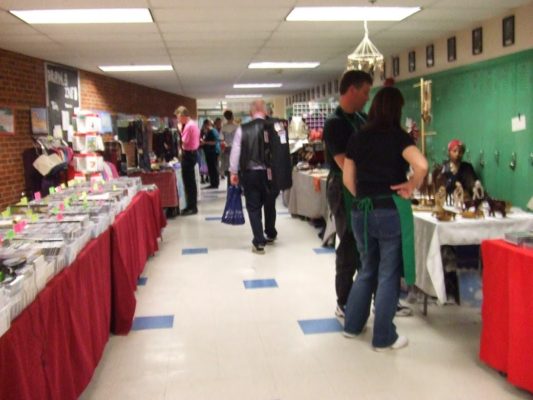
[337, 131]
[378, 159]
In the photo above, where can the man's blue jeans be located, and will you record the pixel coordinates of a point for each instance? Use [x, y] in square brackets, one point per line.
[381, 272]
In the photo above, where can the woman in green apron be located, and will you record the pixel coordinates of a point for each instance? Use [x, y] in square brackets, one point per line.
[375, 170]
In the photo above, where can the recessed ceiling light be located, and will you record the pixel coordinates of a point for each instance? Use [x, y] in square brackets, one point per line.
[256, 85]
[85, 16]
[243, 96]
[351, 13]
[283, 65]
[135, 68]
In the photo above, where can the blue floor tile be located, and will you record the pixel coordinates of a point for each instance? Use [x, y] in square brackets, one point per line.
[324, 250]
[213, 218]
[313, 326]
[142, 281]
[198, 250]
[155, 322]
[260, 283]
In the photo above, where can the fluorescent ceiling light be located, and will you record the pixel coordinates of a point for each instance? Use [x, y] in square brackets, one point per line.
[283, 65]
[256, 85]
[135, 68]
[243, 96]
[351, 13]
[85, 16]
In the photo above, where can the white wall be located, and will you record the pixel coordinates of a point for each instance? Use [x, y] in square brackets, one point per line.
[492, 45]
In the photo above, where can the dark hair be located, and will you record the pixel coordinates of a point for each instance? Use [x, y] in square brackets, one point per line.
[354, 78]
[218, 119]
[228, 115]
[386, 108]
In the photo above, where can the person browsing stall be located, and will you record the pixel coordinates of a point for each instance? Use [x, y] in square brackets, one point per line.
[190, 142]
[375, 168]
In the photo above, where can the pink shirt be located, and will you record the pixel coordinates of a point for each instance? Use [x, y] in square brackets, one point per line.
[190, 136]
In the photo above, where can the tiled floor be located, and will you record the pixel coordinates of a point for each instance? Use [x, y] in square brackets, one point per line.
[228, 342]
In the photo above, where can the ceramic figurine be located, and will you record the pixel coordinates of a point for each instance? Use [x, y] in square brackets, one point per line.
[478, 193]
[458, 196]
[440, 199]
[496, 206]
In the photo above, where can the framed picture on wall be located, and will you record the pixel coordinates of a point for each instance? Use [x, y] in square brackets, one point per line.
[39, 121]
[384, 71]
[330, 92]
[452, 54]
[318, 92]
[336, 86]
[430, 56]
[395, 66]
[477, 41]
[412, 61]
[7, 121]
[508, 31]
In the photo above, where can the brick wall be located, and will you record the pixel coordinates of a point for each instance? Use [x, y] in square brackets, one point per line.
[22, 86]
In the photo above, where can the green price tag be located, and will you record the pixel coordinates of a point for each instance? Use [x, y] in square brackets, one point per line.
[10, 234]
[34, 218]
[52, 190]
[6, 213]
[23, 201]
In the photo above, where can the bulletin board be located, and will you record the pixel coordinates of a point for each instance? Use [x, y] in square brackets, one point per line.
[62, 96]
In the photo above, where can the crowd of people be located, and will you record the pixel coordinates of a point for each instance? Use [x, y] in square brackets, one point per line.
[374, 168]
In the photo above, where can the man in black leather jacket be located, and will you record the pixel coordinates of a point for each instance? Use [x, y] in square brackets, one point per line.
[251, 165]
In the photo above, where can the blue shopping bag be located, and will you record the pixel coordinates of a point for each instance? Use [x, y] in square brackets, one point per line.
[233, 214]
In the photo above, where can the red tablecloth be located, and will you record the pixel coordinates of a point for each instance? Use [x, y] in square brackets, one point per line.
[507, 332]
[53, 347]
[134, 238]
[166, 182]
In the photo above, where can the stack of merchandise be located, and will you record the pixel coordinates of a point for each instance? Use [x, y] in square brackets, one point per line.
[39, 238]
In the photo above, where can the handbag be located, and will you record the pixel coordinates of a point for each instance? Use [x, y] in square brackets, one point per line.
[233, 214]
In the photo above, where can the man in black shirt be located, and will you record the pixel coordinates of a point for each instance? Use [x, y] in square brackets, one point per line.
[346, 120]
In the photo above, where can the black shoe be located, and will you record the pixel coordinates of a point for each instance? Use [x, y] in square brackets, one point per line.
[189, 212]
[258, 249]
[270, 240]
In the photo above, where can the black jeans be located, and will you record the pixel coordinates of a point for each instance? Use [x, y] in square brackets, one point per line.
[212, 167]
[259, 194]
[189, 179]
[347, 259]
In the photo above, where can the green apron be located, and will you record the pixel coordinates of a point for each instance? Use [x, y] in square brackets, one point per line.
[407, 231]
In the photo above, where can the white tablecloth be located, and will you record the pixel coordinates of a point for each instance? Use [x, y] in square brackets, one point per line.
[430, 234]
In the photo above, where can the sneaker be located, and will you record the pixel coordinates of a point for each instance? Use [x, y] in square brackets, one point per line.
[403, 311]
[400, 343]
[350, 335]
[339, 311]
[270, 240]
[259, 249]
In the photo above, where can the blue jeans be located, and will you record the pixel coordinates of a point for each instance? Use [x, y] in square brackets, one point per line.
[380, 272]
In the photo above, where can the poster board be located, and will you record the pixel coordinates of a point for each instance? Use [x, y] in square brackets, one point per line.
[62, 97]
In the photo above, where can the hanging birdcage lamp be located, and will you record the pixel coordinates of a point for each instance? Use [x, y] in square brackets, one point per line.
[366, 57]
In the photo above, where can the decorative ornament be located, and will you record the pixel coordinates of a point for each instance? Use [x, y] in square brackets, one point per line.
[366, 57]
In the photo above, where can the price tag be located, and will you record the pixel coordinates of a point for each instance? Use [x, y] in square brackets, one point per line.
[34, 218]
[60, 217]
[37, 196]
[23, 201]
[6, 213]
[10, 234]
[52, 190]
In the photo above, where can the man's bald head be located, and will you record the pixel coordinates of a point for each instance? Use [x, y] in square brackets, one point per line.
[258, 107]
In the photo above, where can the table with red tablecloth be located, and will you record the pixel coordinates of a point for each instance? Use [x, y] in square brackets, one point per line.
[166, 182]
[507, 316]
[53, 347]
[134, 238]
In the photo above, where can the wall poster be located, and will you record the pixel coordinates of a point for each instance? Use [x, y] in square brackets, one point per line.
[62, 97]
[7, 121]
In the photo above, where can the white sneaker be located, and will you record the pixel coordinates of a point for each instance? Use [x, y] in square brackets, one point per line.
[339, 312]
[400, 343]
[350, 335]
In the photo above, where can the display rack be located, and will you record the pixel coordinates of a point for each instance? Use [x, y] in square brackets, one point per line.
[314, 113]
